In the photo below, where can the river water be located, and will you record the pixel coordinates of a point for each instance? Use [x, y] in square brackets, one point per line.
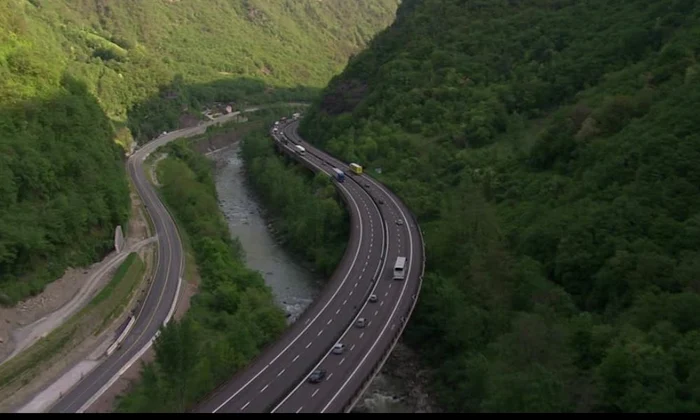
[293, 284]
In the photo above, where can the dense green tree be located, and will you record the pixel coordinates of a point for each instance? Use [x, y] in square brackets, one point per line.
[550, 152]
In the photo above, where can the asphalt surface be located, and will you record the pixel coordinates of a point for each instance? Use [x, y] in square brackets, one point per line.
[160, 299]
[277, 380]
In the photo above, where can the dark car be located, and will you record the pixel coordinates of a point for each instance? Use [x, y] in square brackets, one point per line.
[317, 376]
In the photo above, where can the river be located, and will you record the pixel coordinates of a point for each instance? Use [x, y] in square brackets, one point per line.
[293, 284]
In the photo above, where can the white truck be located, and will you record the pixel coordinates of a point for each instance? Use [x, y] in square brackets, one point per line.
[300, 150]
[399, 267]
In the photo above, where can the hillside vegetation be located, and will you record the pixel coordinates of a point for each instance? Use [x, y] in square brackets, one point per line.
[78, 75]
[231, 318]
[550, 150]
[308, 212]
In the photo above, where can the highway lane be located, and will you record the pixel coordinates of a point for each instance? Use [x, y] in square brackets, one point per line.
[275, 372]
[160, 300]
[348, 372]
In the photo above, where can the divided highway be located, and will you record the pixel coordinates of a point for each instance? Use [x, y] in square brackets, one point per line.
[382, 229]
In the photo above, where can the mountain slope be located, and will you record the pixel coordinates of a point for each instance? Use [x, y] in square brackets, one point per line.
[550, 151]
[77, 75]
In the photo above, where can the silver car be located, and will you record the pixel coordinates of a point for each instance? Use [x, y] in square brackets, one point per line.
[339, 348]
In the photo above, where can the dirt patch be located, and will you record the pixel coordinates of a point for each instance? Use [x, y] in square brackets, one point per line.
[188, 120]
[223, 139]
[401, 386]
[57, 295]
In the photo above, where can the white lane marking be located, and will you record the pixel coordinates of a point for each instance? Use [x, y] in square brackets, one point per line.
[329, 321]
[345, 301]
[355, 284]
[341, 361]
[377, 275]
[297, 412]
[296, 358]
[164, 216]
[386, 294]
[381, 303]
[362, 335]
[352, 347]
[307, 346]
[282, 371]
[315, 392]
[329, 376]
[291, 343]
[396, 307]
[351, 293]
[319, 333]
[337, 311]
[246, 405]
[375, 313]
[264, 388]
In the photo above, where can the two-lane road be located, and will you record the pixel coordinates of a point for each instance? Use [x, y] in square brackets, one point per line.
[159, 304]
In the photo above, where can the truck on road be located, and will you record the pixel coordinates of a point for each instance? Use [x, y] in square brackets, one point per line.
[300, 150]
[357, 169]
[398, 268]
[339, 175]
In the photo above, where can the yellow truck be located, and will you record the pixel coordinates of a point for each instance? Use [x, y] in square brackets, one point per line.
[357, 169]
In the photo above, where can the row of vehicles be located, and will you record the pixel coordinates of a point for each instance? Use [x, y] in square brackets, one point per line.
[318, 375]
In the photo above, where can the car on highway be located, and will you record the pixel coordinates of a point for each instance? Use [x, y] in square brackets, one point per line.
[317, 376]
[399, 222]
[361, 323]
[339, 348]
[373, 298]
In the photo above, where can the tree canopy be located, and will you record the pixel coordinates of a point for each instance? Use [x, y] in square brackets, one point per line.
[550, 150]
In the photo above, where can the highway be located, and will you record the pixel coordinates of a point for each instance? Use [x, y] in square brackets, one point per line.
[382, 229]
[161, 298]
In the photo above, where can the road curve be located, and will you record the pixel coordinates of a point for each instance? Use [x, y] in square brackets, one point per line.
[277, 380]
[159, 304]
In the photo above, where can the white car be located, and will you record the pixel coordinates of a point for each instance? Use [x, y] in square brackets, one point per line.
[339, 348]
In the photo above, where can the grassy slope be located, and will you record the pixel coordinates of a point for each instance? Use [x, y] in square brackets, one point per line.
[71, 71]
[550, 150]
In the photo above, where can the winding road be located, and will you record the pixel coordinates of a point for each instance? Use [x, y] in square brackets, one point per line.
[161, 299]
[382, 229]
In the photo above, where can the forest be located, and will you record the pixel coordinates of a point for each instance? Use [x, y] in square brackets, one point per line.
[233, 314]
[306, 208]
[550, 151]
[79, 77]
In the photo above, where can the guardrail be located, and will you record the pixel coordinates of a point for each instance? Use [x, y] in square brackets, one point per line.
[308, 309]
[122, 336]
[314, 168]
[382, 360]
